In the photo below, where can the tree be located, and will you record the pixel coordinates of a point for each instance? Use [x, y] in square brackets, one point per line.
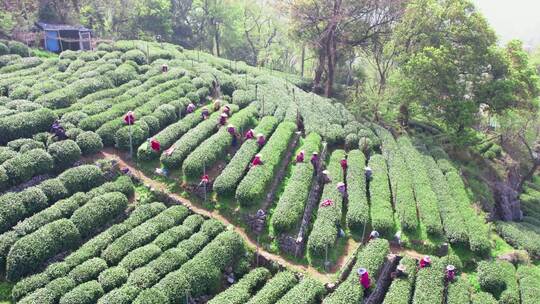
[450, 64]
[330, 27]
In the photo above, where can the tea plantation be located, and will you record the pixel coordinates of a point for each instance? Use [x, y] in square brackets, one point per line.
[295, 173]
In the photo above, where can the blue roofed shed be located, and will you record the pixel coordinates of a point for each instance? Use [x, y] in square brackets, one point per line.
[60, 37]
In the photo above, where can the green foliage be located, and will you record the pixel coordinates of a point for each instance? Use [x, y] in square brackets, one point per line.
[325, 229]
[358, 209]
[144, 233]
[371, 257]
[308, 291]
[400, 181]
[290, 207]
[16, 206]
[89, 143]
[444, 73]
[476, 226]
[529, 283]
[98, 211]
[112, 278]
[519, 236]
[64, 153]
[499, 279]
[401, 289]
[253, 186]
[28, 164]
[244, 289]
[215, 147]
[28, 253]
[382, 218]
[429, 285]
[18, 48]
[140, 257]
[86, 293]
[426, 199]
[276, 288]
[190, 140]
[226, 182]
[87, 271]
[82, 178]
[458, 292]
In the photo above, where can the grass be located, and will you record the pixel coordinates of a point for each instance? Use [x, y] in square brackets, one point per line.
[500, 247]
[5, 292]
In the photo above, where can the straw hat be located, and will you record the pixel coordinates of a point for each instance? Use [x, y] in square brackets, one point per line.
[361, 271]
[450, 268]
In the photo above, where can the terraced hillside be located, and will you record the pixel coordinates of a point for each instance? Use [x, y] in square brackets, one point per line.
[77, 226]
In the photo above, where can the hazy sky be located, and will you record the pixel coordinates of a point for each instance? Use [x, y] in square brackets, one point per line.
[513, 19]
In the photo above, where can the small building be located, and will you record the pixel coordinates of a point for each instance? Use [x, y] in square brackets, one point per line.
[60, 37]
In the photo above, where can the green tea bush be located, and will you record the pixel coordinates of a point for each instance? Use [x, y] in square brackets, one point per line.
[400, 291]
[290, 207]
[88, 270]
[226, 182]
[144, 233]
[86, 293]
[244, 289]
[430, 283]
[18, 48]
[89, 250]
[425, 197]
[139, 257]
[401, 181]
[308, 291]
[112, 278]
[253, 186]
[82, 178]
[325, 230]
[89, 143]
[358, 209]
[272, 291]
[215, 147]
[25, 124]
[189, 141]
[64, 153]
[26, 165]
[382, 217]
[28, 253]
[98, 211]
[138, 56]
[3, 49]
[372, 258]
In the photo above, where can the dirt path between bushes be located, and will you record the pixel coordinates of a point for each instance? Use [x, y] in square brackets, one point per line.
[109, 153]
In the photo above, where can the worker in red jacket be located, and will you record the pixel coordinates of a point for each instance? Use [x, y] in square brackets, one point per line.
[425, 261]
[250, 134]
[363, 278]
[256, 161]
[327, 203]
[129, 118]
[260, 139]
[343, 164]
[204, 181]
[155, 145]
[300, 156]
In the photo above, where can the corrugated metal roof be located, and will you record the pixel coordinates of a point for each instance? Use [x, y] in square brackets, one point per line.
[61, 27]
